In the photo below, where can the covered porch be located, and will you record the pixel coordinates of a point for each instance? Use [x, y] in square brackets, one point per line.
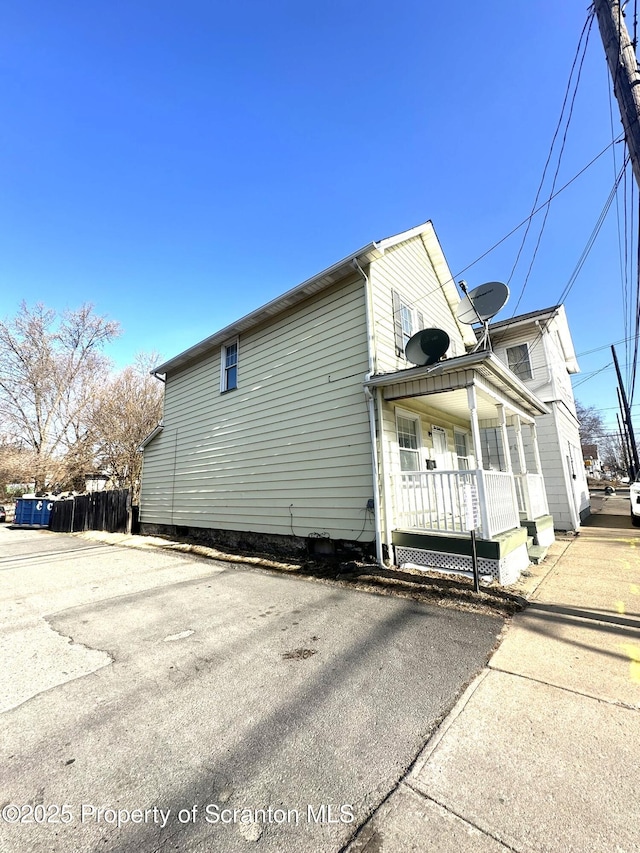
[458, 450]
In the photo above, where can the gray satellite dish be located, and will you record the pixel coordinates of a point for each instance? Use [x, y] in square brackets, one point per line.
[427, 347]
[482, 303]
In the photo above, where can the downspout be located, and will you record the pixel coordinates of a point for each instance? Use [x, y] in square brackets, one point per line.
[372, 412]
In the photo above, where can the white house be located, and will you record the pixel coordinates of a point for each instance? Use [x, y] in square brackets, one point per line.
[592, 462]
[538, 348]
[303, 426]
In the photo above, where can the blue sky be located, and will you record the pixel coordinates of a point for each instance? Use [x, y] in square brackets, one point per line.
[181, 164]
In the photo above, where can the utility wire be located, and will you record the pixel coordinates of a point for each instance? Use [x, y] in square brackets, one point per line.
[553, 140]
[634, 362]
[592, 375]
[592, 238]
[581, 261]
[537, 210]
[587, 28]
[604, 346]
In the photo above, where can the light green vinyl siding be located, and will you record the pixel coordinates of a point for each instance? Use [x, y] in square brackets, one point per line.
[288, 451]
[408, 270]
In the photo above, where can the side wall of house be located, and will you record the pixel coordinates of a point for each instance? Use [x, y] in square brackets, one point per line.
[541, 382]
[558, 437]
[288, 451]
[564, 475]
[407, 270]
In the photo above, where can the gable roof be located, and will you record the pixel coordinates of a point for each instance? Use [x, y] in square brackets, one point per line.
[557, 313]
[321, 281]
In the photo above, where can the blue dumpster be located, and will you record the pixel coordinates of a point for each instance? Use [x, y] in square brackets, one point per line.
[32, 512]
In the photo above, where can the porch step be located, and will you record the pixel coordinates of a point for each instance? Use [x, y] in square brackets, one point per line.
[537, 553]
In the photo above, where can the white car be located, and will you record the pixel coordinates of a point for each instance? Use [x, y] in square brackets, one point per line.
[634, 501]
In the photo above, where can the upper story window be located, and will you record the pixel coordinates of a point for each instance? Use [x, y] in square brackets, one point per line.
[519, 361]
[229, 359]
[406, 321]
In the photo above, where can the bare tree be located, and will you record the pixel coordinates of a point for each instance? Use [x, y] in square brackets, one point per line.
[127, 410]
[592, 428]
[51, 367]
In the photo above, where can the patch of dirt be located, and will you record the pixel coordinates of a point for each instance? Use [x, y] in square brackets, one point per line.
[299, 654]
[419, 585]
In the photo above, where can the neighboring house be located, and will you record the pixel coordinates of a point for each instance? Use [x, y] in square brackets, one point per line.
[592, 462]
[303, 426]
[95, 482]
[538, 348]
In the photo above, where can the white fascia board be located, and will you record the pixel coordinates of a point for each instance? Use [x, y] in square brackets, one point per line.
[307, 288]
[154, 432]
[443, 273]
[319, 282]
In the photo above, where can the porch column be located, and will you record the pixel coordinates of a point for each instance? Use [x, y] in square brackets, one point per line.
[536, 452]
[502, 417]
[472, 399]
[475, 425]
[502, 420]
[522, 459]
[388, 504]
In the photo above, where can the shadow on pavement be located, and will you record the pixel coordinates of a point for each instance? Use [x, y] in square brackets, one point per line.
[610, 521]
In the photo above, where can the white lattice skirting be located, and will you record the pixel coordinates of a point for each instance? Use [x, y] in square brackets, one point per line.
[505, 570]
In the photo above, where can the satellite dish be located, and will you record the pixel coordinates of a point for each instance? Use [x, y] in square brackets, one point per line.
[482, 303]
[427, 347]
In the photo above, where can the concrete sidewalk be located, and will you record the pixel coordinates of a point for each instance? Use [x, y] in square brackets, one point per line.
[542, 752]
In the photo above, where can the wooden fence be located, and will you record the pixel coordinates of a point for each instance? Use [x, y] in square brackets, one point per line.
[109, 510]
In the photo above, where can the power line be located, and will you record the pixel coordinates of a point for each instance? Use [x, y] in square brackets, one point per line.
[537, 210]
[553, 140]
[587, 27]
[604, 346]
[581, 261]
[592, 238]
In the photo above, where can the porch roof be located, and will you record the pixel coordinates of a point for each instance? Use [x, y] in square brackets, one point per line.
[482, 369]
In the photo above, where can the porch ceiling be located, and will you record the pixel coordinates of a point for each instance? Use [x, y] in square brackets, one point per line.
[456, 404]
[446, 384]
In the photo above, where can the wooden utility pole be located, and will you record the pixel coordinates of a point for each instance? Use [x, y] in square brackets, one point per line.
[627, 418]
[624, 446]
[623, 66]
[625, 74]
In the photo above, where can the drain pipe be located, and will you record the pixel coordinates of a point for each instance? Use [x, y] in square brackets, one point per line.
[372, 413]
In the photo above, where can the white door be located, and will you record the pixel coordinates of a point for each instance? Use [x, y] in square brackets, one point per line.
[440, 451]
[441, 491]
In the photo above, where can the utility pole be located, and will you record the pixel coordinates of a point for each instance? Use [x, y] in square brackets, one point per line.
[627, 418]
[624, 446]
[623, 67]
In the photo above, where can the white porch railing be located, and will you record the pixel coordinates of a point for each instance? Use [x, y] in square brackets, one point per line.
[433, 501]
[532, 498]
[500, 501]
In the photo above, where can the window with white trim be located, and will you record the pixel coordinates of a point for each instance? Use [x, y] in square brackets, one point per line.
[229, 359]
[408, 442]
[519, 361]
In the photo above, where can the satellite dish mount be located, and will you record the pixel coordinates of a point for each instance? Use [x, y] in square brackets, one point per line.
[480, 305]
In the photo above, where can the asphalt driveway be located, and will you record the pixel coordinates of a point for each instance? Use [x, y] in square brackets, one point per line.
[158, 702]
